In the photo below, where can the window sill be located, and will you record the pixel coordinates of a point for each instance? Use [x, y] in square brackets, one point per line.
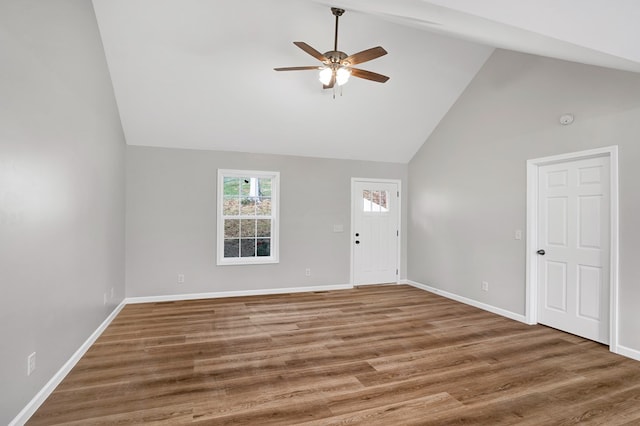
[252, 261]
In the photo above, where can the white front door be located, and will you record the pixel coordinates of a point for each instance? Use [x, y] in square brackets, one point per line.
[573, 247]
[375, 232]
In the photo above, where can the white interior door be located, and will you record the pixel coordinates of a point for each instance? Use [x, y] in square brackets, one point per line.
[375, 233]
[573, 247]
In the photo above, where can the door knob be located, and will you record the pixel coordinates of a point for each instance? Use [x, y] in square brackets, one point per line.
[357, 242]
[541, 252]
[357, 234]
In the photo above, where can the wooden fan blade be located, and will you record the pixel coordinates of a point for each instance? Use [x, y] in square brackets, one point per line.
[368, 75]
[312, 67]
[364, 56]
[311, 51]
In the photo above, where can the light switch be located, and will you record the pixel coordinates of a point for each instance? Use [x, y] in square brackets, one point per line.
[518, 234]
[338, 228]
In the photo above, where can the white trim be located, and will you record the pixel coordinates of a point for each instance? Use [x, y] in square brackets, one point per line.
[531, 238]
[33, 405]
[467, 301]
[531, 312]
[238, 293]
[614, 256]
[628, 352]
[275, 218]
[399, 241]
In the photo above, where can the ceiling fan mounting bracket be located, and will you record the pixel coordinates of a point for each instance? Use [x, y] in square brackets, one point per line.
[336, 11]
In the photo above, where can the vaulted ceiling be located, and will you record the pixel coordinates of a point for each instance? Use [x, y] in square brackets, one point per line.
[199, 73]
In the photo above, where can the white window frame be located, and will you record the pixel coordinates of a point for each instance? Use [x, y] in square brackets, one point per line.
[275, 216]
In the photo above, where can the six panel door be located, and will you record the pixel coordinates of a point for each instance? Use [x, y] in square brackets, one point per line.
[573, 232]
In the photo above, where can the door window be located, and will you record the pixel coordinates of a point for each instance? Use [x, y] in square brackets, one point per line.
[375, 201]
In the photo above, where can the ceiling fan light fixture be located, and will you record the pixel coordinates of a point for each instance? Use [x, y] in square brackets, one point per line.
[336, 65]
[325, 75]
[342, 75]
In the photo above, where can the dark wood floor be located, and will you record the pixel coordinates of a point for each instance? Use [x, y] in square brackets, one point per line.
[382, 355]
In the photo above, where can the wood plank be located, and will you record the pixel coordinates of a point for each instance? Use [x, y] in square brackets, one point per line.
[372, 355]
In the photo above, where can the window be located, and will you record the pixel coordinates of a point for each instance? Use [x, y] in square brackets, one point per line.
[247, 217]
[375, 201]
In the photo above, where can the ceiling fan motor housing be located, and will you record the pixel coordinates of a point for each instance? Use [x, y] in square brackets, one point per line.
[335, 57]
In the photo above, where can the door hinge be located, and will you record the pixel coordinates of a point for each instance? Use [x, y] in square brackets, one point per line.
[397, 233]
[396, 272]
[398, 192]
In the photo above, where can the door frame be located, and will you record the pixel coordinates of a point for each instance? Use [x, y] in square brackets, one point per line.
[533, 165]
[353, 220]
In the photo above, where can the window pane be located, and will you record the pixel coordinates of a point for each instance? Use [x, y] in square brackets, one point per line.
[366, 200]
[231, 228]
[263, 228]
[264, 187]
[382, 201]
[247, 247]
[245, 185]
[264, 247]
[263, 207]
[248, 228]
[384, 196]
[248, 206]
[231, 186]
[231, 207]
[231, 248]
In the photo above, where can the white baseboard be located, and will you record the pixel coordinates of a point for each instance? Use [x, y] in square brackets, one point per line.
[28, 411]
[239, 293]
[628, 352]
[467, 301]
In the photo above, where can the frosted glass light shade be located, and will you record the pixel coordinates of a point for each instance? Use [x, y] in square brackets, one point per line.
[342, 76]
[325, 76]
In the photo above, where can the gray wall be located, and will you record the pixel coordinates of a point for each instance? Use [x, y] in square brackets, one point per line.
[468, 182]
[171, 220]
[61, 191]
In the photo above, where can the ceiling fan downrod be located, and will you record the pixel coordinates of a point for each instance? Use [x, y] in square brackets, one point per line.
[337, 13]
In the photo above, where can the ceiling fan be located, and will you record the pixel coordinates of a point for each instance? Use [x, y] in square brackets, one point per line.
[337, 66]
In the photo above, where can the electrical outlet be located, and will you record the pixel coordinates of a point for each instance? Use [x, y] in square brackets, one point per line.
[307, 272]
[104, 300]
[111, 293]
[180, 278]
[485, 286]
[31, 363]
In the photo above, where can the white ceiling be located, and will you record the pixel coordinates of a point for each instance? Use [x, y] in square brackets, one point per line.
[199, 74]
